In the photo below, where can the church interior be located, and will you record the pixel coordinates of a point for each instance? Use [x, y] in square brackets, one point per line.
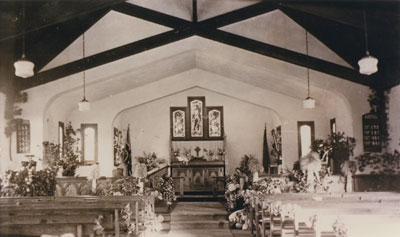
[172, 117]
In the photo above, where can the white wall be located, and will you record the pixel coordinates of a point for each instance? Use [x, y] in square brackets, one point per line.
[243, 122]
[394, 119]
[50, 103]
[288, 108]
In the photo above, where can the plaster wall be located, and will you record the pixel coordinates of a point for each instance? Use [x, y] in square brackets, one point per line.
[4, 141]
[243, 122]
[394, 119]
[288, 108]
[47, 105]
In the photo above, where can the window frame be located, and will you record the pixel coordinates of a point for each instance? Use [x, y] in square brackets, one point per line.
[331, 123]
[83, 127]
[312, 126]
[61, 143]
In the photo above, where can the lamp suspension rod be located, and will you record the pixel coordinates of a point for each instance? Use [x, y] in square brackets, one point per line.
[23, 29]
[308, 73]
[365, 31]
[84, 74]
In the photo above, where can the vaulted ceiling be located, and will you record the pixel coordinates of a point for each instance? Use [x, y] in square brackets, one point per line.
[48, 27]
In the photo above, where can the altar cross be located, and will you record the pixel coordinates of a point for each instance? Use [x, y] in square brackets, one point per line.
[197, 149]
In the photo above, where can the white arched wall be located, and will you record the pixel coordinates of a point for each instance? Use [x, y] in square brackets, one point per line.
[289, 109]
[243, 124]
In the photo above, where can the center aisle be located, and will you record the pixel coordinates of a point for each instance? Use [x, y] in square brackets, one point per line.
[199, 219]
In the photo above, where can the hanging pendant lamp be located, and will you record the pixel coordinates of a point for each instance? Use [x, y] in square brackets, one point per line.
[309, 102]
[84, 105]
[23, 67]
[368, 64]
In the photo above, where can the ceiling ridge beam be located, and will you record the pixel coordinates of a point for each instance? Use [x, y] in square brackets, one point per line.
[151, 15]
[105, 57]
[285, 55]
[239, 14]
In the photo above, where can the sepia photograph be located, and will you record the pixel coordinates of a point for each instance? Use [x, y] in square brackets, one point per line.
[199, 118]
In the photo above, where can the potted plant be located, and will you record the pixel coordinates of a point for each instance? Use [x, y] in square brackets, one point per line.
[69, 160]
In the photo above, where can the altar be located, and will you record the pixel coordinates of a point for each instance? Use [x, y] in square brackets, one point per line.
[199, 176]
[197, 147]
[198, 166]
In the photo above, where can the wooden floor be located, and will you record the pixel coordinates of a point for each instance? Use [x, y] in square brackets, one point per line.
[195, 219]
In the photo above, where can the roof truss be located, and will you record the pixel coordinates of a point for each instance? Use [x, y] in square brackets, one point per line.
[208, 29]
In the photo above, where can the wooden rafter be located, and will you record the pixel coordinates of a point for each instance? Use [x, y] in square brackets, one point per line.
[57, 17]
[106, 57]
[285, 55]
[207, 29]
[151, 16]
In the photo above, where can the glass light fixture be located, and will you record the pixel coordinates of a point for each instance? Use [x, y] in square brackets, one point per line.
[23, 67]
[309, 102]
[84, 105]
[368, 64]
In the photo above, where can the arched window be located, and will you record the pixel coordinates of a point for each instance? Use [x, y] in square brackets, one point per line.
[61, 137]
[89, 143]
[333, 126]
[306, 136]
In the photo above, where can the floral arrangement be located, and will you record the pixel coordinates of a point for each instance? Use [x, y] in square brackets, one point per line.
[165, 189]
[338, 147]
[149, 159]
[51, 155]
[249, 165]
[98, 229]
[67, 160]
[378, 163]
[126, 186]
[269, 186]
[129, 224]
[300, 184]
[232, 191]
[28, 182]
[70, 159]
[339, 228]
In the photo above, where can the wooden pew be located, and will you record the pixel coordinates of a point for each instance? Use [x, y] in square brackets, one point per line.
[56, 215]
[371, 207]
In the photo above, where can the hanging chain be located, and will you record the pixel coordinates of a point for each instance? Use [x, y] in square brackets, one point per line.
[308, 73]
[365, 31]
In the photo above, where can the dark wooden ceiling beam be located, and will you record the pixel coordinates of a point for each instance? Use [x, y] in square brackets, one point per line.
[57, 12]
[151, 15]
[240, 14]
[343, 40]
[44, 45]
[105, 57]
[285, 55]
[338, 14]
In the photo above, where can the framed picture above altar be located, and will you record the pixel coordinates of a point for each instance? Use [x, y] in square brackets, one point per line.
[196, 122]
[196, 107]
[178, 123]
[215, 126]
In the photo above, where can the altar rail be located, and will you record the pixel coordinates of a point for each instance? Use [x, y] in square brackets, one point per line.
[34, 216]
[362, 214]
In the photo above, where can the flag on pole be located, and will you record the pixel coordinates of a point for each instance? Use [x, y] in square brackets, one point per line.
[266, 158]
[127, 153]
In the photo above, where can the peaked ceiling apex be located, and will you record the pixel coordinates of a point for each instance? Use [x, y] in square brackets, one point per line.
[113, 30]
[277, 29]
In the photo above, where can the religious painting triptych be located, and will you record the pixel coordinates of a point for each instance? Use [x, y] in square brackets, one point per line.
[196, 121]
